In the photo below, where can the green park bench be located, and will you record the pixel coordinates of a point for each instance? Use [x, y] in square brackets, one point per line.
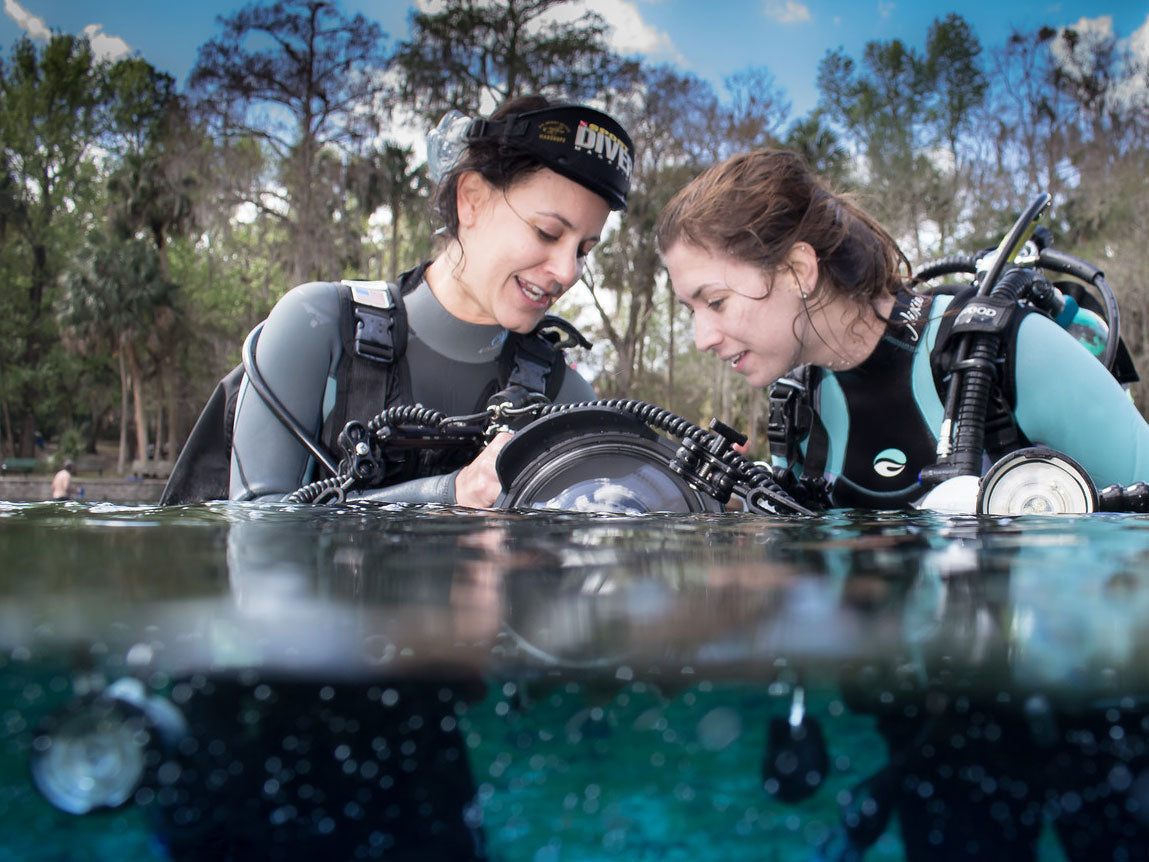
[18, 465]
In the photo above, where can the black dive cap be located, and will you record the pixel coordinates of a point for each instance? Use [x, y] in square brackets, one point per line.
[580, 143]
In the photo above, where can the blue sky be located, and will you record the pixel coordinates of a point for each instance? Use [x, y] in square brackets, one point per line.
[711, 38]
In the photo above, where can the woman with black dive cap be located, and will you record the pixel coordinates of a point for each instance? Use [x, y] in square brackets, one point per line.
[522, 205]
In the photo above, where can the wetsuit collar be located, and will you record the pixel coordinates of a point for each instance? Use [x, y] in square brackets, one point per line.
[908, 320]
[444, 333]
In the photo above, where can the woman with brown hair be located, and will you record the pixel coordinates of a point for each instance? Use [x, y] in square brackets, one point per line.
[787, 280]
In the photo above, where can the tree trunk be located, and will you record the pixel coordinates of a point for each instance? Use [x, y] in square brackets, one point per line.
[9, 439]
[121, 459]
[137, 401]
[157, 455]
[175, 418]
[394, 242]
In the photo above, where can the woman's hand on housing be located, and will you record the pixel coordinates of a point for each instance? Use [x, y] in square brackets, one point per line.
[477, 485]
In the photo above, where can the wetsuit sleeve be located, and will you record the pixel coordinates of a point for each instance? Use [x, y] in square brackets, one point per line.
[296, 353]
[575, 388]
[1068, 401]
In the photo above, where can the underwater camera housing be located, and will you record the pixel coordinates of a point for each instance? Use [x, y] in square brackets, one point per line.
[594, 459]
[591, 456]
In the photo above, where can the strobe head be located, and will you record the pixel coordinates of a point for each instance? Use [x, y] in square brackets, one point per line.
[594, 459]
[92, 753]
[1036, 481]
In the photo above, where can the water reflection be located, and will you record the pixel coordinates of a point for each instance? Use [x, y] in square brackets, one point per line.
[372, 683]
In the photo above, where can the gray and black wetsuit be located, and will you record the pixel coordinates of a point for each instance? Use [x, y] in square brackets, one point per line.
[452, 366]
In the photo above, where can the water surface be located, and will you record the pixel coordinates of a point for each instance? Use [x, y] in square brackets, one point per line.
[414, 682]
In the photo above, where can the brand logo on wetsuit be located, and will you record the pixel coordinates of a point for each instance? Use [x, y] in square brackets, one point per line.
[910, 315]
[889, 462]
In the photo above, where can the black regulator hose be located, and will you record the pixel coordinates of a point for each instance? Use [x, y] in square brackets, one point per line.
[255, 377]
[1051, 259]
[979, 370]
[954, 264]
[1066, 263]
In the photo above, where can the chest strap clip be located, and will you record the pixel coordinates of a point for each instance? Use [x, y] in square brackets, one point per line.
[791, 416]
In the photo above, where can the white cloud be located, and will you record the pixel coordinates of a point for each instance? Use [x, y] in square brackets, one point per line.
[1133, 90]
[787, 11]
[33, 24]
[885, 10]
[628, 32]
[105, 47]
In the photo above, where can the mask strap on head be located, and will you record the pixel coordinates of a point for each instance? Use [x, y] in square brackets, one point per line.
[446, 143]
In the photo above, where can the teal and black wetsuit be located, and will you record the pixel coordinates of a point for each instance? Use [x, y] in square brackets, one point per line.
[452, 366]
[879, 421]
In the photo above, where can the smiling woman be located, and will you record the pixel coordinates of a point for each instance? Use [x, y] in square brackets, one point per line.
[523, 196]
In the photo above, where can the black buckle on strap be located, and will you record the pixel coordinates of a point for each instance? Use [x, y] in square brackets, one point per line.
[373, 335]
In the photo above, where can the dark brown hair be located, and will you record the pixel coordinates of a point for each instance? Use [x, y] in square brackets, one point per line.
[756, 206]
[499, 163]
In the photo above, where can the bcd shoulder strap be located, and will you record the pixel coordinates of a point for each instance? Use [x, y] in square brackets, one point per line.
[793, 413]
[536, 360]
[373, 333]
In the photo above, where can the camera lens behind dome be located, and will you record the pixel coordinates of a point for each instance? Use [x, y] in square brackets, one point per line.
[594, 459]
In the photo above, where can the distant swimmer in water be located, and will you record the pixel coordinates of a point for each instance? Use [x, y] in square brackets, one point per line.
[62, 487]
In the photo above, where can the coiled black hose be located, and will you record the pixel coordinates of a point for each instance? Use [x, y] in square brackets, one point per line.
[759, 481]
[332, 485]
[407, 414]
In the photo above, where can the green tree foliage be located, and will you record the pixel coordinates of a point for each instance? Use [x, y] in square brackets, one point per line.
[880, 103]
[957, 86]
[388, 177]
[50, 123]
[287, 159]
[671, 118]
[116, 298]
[306, 81]
[471, 55]
[817, 143]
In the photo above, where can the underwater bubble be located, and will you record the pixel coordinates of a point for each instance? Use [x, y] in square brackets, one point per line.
[1120, 778]
[719, 728]
[378, 649]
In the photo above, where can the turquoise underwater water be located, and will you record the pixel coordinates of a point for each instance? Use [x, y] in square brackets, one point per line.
[369, 683]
